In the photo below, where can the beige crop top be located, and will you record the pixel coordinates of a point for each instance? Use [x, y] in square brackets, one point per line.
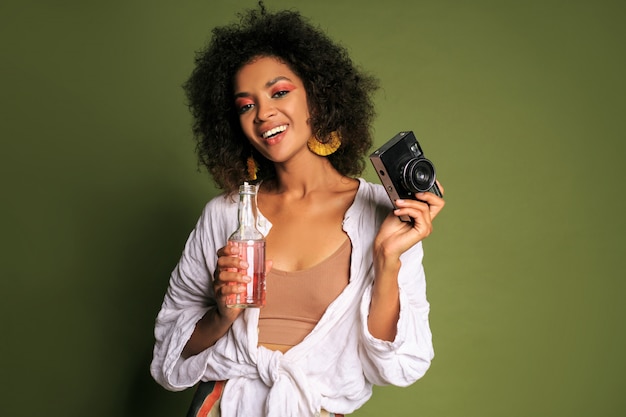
[295, 301]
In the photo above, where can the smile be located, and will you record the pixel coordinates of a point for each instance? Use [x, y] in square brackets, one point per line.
[274, 131]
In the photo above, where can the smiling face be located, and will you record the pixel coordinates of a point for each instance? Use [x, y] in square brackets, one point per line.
[273, 109]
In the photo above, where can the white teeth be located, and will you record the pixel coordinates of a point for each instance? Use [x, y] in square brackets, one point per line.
[274, 131]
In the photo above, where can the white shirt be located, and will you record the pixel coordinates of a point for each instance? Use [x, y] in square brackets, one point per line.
[334, 367]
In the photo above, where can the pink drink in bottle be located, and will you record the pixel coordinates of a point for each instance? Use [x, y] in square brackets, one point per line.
[251, 245]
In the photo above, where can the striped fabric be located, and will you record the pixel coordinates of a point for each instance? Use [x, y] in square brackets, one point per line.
[206, 400]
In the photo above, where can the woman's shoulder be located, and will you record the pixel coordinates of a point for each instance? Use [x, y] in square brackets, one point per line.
[370, 207]
[218, 217]
[371, 203]
[371, 194]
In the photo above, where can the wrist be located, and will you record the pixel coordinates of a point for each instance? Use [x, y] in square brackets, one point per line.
[385, 262]
[223, 321]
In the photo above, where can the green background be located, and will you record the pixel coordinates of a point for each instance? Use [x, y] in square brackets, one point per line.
[521, 105]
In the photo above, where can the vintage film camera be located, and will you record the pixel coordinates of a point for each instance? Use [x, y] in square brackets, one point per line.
[403, 169]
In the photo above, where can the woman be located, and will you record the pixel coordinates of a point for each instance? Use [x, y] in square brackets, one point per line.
[346, 304]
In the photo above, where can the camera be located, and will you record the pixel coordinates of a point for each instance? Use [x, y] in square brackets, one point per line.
[403, 169]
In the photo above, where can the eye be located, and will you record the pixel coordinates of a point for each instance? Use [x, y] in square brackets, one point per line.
[243, 105]
[245, 108]
[281, 89]
[281, 93]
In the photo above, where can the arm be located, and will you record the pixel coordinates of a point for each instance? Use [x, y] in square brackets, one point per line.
[216, 322]
[395, 238]
[208, 330]
[406, 358]
[190, 303]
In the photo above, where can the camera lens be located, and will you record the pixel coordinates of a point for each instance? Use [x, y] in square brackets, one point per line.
[418, 175]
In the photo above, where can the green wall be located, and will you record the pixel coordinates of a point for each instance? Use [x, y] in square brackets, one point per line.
[521, 105]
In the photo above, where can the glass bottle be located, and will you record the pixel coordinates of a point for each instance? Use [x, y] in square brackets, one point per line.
[251, 245]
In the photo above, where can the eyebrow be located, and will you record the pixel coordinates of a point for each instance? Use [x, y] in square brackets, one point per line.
[267, 85]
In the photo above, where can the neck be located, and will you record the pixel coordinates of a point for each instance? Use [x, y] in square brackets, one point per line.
[302, 177]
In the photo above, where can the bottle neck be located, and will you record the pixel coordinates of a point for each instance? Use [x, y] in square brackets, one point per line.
[246, 230]
[247, 210]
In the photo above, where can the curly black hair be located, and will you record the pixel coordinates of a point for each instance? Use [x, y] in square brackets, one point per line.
[339, 94]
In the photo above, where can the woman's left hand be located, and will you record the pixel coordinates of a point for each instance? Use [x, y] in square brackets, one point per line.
[395, 236]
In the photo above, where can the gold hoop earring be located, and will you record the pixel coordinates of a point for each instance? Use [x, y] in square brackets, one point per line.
[325, 148]
[252, 168]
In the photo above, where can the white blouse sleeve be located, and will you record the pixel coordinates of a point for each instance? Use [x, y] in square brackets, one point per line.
[407, 358]
[188, 297]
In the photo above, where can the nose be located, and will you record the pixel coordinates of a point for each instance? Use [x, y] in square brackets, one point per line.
[264, 110]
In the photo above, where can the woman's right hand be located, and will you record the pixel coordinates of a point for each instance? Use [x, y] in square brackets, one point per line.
[228, 280]
[216, 322]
